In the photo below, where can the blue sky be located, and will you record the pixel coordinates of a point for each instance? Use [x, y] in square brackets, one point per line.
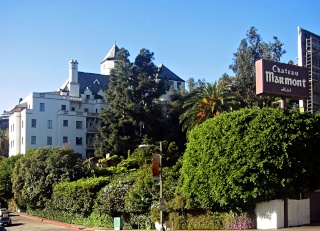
[192, 38]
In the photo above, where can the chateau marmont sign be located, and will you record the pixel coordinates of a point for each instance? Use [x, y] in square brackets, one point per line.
[279, 79]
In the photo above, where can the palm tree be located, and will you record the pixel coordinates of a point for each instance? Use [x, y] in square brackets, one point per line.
[206, 102]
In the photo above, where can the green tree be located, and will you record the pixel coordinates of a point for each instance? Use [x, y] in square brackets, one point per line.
[251, 155]
[207, 102]
[6, 168]
[4, 143]
[36, 173]
[133, 112]
[251, 49]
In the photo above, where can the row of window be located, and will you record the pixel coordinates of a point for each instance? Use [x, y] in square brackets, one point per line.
[49, 140]
[65, 123]
[64, 107]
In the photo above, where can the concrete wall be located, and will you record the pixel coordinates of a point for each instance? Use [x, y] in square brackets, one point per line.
[270, 215]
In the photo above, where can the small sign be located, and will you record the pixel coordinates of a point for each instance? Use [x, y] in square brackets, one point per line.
[162, 206]
[156, 166]
[118, 225]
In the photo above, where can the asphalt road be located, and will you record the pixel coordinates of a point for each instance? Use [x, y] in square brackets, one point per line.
[20, 223]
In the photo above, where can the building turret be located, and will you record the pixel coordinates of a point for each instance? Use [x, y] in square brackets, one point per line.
[73, 84]
[108, 62]
[73, 71]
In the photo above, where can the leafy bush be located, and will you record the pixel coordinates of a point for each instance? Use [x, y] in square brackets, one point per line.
[77, 197]
[142, 194]
[238, 222]
[94, 220]
[207, 220]
[110, 199]
[237, 159]
[36, 173]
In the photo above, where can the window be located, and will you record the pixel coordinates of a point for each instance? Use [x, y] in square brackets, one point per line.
[87, 96]
[63, 107]
[49, 140]
[78, 140]
[21, 140]
[34, 123]
[86, 110]
[171, 83]
[42, 95]
[65, 123]
[65, 139]
[73, 109]
[178, 85]
[42, 106]
[22, 124]
[12, 127]
[78, 124]
[49, 124]
[33, 140]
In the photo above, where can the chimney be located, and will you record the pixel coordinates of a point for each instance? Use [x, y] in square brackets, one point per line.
[73, 71]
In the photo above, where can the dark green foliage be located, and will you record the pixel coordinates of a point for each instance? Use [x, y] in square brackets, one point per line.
[240, 158]
[4, 143]
[76, 197]
[111, 199]
[36, 173]
[6, 168]
[142, 194]
[132, 94]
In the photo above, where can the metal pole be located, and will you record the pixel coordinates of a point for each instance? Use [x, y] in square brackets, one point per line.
[161, 214]
[283, 102]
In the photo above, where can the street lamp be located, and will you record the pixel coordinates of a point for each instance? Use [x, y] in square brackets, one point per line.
[160, 182]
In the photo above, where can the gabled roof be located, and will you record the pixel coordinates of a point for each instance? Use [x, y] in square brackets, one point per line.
[164, 72]
[93, 81]
[111, 54]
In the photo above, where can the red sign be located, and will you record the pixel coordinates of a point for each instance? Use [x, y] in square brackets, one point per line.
[156, 166]
[279, 79]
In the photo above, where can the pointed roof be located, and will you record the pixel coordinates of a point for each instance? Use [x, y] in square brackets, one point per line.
[111, 54]
[94, 82]
[164, 72]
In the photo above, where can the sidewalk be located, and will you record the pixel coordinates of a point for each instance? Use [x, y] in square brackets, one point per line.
[313, 227]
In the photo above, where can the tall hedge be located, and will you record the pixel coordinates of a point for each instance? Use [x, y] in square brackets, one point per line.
[77, 197]
[251, 155]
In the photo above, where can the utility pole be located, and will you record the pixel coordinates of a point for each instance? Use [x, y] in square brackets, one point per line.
[161, 190]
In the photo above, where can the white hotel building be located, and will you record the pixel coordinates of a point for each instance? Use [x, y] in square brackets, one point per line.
[70, 115]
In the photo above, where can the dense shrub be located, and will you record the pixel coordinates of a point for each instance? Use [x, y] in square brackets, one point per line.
[36, 173]
[207, 220]
[94, 220]
[240, 158]
[110, 199]
[76, 197]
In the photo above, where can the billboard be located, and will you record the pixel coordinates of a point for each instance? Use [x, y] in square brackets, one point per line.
[303, 35]
[309, 56]
[279, 79]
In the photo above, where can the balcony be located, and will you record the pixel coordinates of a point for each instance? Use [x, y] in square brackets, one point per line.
[90, 147]
[92, 130]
